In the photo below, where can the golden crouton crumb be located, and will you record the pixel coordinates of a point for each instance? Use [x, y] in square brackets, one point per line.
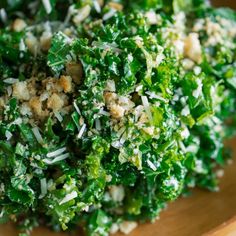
[109, 97]
[52, 85]
[117, 111]
[45, 41]
[36, 106]
[32, 43]
[66, 83]
[18, 25]
[55, 102]
[192, 47]
[32, 87]
[115, 6]
[20, 91]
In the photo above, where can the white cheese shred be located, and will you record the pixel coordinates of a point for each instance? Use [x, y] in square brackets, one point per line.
[109, 14]
[57, 159]
[81, 132]
[3, 15]
[76, 107]
[58, 116]
[57, 152]
[8, 135]
[97, 6]
[43, 186]
[146, 107]
[10, 80]
[156, 96]
[105, 113]
[98, 124]
[151, 165]
[68, 197]
[47, 5]
[37, 134]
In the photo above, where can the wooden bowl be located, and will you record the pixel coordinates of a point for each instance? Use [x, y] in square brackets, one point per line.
[203, 213]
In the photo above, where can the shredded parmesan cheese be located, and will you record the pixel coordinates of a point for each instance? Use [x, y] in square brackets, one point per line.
[68, 197]
[37, 135]
[146, 107]
[57, 159]
[43, 186]
[81, 132]
[47, 6]
[57, 152]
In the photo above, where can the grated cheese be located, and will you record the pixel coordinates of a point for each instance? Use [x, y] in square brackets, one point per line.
[68, 197]
[82, 14]
[151, 17]
[76, 107]
[37, 134]
[57, 152]
[58, 116]
[156, 96]
[22, 46]
[11, 80]
[105, 113]
[9, 91]
[197, 92]
[97, 6]
[81, 132]
[43, 186]
[98, 124]
[3, 15]
[47, 6]
[17, 121]
[185, 111]
[117, 193]
[57, 159]
[8, 135]
[172, 182]
[114, 228]
[151, 165]
[146, 107]
[109, 14]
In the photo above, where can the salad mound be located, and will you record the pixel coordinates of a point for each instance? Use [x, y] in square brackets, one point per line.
[111, 109]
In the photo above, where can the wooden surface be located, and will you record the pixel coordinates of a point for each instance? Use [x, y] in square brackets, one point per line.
[226, 229]
[225, 3]
[203, 213]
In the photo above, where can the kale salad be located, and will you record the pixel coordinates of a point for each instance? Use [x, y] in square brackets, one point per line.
[111, 109]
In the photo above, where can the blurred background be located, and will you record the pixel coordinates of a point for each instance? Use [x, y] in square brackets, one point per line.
[228, 3]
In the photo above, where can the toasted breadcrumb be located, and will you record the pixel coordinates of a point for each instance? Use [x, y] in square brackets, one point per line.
[20, 91]
[109, 97]
[32, 43]
[192, 47]
[117, 111]
[116, 6]
[45, 41]
[66, 83]
[36, 106]
[55, 102]
[18, 25]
